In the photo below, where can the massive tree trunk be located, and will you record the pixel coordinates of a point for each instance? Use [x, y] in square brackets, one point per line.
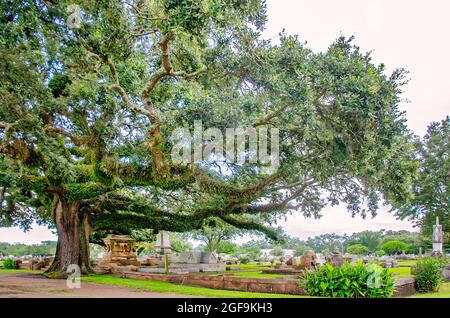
[73, 238]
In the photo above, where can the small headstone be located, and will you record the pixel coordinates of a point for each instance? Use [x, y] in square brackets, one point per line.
[292, 261]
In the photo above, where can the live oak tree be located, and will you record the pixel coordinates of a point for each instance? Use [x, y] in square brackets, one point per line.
[88, 104]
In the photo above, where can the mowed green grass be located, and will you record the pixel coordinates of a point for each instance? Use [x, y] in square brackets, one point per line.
[406, 262]
[249, 267]
[400, 272]
[444, 292]
[14, 271]
[163, 287]
[250, 270]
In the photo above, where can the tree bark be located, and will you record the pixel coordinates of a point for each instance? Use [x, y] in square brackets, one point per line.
[73, 239]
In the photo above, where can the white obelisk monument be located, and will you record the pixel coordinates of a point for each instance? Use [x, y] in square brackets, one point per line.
[437, 237]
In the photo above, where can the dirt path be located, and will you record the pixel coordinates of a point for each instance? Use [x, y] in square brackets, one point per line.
[28, 285]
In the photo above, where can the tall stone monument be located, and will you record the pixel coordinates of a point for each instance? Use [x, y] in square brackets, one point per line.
[163, 243]
[437, 237]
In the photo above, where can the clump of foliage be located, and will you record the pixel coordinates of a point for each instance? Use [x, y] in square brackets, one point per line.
[214, 233]
[299, 250]
[428, 273]
[226, 247]
[277, 251]
[10, 264]
[45, 248]
[395, 247]
[244, 260]
[358, 249]
[433, 154]
[349, 281]
[380, 253]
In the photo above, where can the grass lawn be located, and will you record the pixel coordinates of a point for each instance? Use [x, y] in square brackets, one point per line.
[163, 287]
[13, 271]
[246, 274]
[444, 292]
[248, 271]
[406, 262]
[257, 274]
[401, 272]
[252, 267]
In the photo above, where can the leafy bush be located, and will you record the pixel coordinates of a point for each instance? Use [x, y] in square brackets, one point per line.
[244, 260]
[358, 249]
[349, 281]
[226, 247]
[395, 247]
[10, 264]
[428, 273]
[380, 253]
[277, 251]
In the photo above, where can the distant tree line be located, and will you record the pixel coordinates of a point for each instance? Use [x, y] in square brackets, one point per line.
[365, 242]
[45, 248]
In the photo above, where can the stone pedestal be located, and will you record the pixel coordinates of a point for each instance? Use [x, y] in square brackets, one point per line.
[119, 251]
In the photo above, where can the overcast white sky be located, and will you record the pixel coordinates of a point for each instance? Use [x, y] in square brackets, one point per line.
[401, 33]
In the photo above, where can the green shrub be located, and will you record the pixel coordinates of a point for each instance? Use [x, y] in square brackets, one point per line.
[244, 260]
[395, 247]
[10, 264]
[428, 273]
[349, 281]
[358, 249]
[380, 253]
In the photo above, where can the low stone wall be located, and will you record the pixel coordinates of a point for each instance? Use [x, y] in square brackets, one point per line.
[227, 282]
[404, 287]
[27, 265]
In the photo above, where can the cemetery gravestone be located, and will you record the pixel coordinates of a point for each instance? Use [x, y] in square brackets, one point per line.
[119, 251]
[437, 238]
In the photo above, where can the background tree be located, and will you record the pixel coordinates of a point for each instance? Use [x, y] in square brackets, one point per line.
[300, 249]
[179, 243]
[431, 187]
[395, 247]
[415, 241]
[358, 249]
[214, 232]
[227, 247]
[327, 242]
[370, 239]
[277, 251]
[87, 115]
